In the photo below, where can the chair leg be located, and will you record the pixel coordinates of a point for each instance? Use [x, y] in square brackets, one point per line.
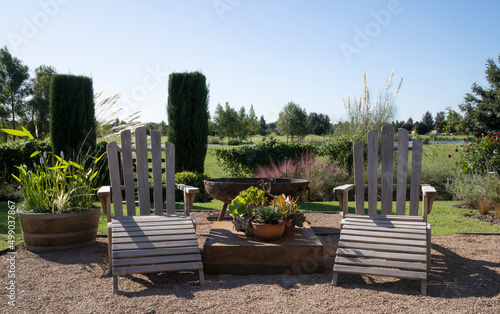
[202, 277]
[115, 284]
[424, 287]
[335, 278]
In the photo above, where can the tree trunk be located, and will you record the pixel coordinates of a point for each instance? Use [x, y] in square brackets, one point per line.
[13, 116]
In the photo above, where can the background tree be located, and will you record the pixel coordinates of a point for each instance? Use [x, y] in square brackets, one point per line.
[262, 126]
[15, 87]
[482, 105]
[453, 122]
[426, 125]
[226, 120]
[292, 121]
[318, 124]
[72, 115]
[253, 122]
[38, 105]
[438, 123]
[187, 111]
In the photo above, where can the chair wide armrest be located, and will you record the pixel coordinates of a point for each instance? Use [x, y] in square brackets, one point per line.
[104, 194]
[428, 196]
[189, 194]
[342, 194]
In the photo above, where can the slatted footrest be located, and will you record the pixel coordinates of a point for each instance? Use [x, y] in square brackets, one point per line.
[143, 244]
[395, 246]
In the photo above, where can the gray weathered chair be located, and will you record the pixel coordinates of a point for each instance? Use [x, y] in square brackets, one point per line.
[396, 245]
[147, 243]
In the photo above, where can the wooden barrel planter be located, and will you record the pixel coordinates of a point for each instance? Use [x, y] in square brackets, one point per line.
[62, 231]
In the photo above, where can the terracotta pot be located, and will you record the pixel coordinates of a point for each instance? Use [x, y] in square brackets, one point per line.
[62, 231]
[268, 232]
[288, 227]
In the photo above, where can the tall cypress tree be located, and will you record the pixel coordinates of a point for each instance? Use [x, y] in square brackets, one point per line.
[187, 111]
[72, 115]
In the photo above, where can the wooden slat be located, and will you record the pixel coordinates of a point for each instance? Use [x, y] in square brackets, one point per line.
[141, 143]
[383, 229]
[169, 244]
[173, 217]
[380, 263]
[387, 217]
[170, 176]
[117, 230]
[383, 255]
[383, 247]
[128, 172]
[114, 176]
[416, 166]
[387, 142]
[157, 171]
[156, 252]
[118, 271]
[154, 239]
[402, 173]
[384, 234]
[152, 233]
[405, 274]
[372, 157]
[386, 224]
[359, 177]
[157, 260]
[382, 241]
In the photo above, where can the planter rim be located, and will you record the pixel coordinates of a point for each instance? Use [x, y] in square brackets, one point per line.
[67, 214]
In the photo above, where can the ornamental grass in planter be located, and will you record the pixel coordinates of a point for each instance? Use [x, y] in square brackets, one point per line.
[57, 211]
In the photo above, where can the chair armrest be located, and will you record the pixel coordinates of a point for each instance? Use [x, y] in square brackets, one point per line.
[189, 194]
[342, 194]
[429, 194]
[104, 194]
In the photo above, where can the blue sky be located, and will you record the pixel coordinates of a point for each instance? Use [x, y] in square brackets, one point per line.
[262, 53]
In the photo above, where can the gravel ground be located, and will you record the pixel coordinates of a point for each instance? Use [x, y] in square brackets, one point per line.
[465, 278]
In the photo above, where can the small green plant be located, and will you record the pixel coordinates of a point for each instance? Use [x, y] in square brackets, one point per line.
[246, 201]
[268, 215]
[289, 209]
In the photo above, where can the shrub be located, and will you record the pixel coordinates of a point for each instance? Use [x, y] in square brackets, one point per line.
[233, 142]
[240, 161]
[72, 115]
[17, 153]
[479, 191]
[188, 116]
[339, 150]
[481, 155]
[193, 179]
[322, 176]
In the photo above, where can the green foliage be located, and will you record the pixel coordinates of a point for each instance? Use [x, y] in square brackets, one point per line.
[482, 105]
[193, 179]
[437, 168]
[480, 156]
[339, 150]
[479, 191]
[233, 142]
[72, 115]
[18, 153]
[38, 105]
[240, 161]
[292, 121]
[187, 111]
[268, 215]
[318, 124]
[289, 210]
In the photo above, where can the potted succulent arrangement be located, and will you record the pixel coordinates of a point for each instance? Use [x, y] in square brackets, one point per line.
[58, 210]
[253, 213]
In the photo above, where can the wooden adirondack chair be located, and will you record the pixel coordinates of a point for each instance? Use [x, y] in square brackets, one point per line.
[147, 243]
[386, 244]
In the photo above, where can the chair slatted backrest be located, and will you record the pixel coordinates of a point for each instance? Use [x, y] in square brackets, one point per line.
[387, 172]
[130, 173]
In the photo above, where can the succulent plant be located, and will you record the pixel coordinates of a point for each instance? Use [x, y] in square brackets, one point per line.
[268, 215]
